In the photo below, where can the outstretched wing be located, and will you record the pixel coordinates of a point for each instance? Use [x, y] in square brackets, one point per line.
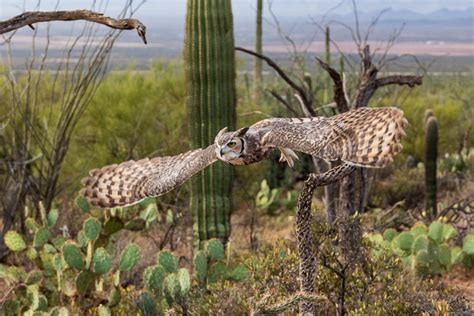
[132, 181]
[368, 137]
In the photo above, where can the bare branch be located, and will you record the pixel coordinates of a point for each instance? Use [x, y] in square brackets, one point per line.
[283, 101]
[373, 24]
[29, 18]
[301, 91]
[357, 24]
[401, 80]
[339, 94]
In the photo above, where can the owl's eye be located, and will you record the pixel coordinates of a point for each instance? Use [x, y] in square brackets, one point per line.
[231, 144]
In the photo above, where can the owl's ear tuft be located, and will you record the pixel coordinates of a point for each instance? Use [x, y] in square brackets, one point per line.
[221, 132]
[240, 132]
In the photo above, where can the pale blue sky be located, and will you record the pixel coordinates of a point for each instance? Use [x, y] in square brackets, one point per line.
[170, 8]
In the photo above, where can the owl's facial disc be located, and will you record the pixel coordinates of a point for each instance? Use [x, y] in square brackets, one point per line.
[232, 150]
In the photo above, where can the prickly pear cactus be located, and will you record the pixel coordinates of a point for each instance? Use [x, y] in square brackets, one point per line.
[82, 203]
[426, 249]
[168, 261]
[146, 304]
[85, 281]
[73, 256]
[130, 257]
[14, 241]
[92, 228]
[69, 270]
[101, 261]
[153, 277]
[389, 234]
[42, 236]
[172, 287]
[200, 266]
[215, 249]
[184, 281]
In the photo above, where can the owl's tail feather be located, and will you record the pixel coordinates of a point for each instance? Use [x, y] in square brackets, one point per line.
[377, 133]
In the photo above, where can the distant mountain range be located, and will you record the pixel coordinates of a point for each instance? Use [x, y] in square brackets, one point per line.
[444, 27]
[440, 25]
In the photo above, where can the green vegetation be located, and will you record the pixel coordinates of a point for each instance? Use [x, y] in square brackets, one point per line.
[210, 82]
[61, 271]
[171, 287]
[426, 250]
[72, 257]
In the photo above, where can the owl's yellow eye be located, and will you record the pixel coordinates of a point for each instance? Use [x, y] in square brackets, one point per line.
[231, 144]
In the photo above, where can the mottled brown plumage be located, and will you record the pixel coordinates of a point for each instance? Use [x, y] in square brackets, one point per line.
[362, 137]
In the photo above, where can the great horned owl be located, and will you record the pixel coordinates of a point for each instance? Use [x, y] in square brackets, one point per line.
[363, 137]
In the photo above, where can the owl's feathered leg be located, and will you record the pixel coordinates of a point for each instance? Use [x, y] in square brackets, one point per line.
[288, 155]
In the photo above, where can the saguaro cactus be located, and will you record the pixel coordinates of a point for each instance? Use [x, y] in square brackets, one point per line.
[258, 45]
[431, 154]
[327, 57]
[210, 81]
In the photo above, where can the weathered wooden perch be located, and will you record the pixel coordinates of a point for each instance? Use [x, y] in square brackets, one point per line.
[29, 18]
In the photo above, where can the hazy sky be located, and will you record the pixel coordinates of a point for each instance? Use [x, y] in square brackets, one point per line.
[170, 8]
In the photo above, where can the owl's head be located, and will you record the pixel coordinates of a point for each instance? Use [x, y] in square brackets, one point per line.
[231, 145]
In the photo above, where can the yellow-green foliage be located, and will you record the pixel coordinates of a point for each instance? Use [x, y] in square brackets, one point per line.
[454, 116]
[133, 114]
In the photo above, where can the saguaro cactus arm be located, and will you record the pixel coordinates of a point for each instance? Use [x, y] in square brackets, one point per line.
[431, 155]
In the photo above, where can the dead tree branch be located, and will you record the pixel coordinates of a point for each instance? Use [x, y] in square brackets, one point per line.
[304, 222]
[30, 18]
[339, 94]
[301, 91]
[283, 101]
[369, 83]
[410, 81]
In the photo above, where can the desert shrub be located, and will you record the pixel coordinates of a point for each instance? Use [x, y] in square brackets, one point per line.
[275, 201]
[133, 114]
[404, 184]
[373, 284]
[272, 271]
[459, 164]
[377, 285]
[454, 116]
[169, 287]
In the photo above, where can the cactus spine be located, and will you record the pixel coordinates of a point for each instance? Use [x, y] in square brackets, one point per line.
[210, 82]
[431, 154]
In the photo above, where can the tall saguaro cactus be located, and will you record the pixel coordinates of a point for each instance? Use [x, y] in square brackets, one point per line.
[431, 155]
[258, 48]
[327, 57]
[258, 43]
[210, 82]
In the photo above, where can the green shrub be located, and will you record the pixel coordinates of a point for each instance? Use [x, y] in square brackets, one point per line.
[165, 281]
